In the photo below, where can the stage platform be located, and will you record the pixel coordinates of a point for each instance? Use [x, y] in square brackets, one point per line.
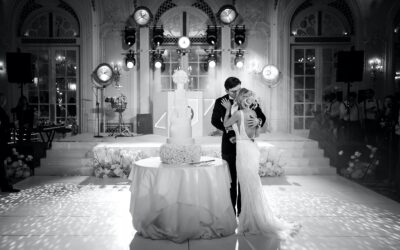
[70, 155]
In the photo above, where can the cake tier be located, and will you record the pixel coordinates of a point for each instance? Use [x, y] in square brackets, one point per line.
[179, 153]
[180, 141]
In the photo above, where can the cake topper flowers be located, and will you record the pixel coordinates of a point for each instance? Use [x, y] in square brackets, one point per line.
[180, 77]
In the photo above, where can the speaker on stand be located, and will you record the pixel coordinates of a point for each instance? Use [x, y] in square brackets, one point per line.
[350, 67]
[20, 68]
[102, 76]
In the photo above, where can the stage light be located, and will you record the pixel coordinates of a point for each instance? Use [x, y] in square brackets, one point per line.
[211, 35]
[239, 59]
[211, 60]
[227, 14]
[240, 35]
[130, 60]
[158, 35]
[158, 60]
[130, 36]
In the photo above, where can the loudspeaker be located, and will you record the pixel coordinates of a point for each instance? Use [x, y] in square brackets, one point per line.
[144, 124]
[350, 66]
[19, 67]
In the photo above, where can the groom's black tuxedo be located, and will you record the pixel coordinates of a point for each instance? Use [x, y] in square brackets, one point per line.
[228, 149]
[217, 120]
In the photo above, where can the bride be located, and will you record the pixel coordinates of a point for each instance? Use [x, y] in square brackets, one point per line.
[256, 217]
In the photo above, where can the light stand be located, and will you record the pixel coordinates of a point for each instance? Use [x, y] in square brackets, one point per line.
[98, 114]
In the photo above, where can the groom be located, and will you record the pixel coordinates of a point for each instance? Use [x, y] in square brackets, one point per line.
[228, 145]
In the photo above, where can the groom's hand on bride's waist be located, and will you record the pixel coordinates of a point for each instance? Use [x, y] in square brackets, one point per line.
[254, 122]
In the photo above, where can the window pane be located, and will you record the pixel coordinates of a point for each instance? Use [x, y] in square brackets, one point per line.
[44, 110]
[203, 81]
[165, 83]
[310, 82]
[310, 96]
[310, 69]
[299, 69]
[309, 109]
[298, 96]
[33, 97]
[60, 84]
[71, 110]
[298, 123]
[60, 109]
[60, 62]
[195, 68]
[298, 109]
[166, 71]
[44, 97]
[71, 63]
[299, 55]
[308, 122]
[298, 82]
[71, 96]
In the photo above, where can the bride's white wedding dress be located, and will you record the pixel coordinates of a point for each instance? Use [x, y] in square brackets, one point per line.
[256, 217]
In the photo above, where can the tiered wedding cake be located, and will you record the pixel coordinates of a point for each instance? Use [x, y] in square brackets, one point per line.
[180, 146]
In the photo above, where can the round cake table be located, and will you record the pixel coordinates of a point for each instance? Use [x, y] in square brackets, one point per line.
[181, 202]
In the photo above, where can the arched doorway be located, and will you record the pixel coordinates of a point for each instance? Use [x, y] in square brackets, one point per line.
[52, 36]
[318, 32]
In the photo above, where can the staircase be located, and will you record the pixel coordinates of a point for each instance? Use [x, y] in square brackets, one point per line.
[300, 156]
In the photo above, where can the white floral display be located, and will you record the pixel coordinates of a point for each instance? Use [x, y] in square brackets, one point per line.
[115, 162]
[175, 154]
[180, 77]
[360, 167]
[270, 163]
[18, 165]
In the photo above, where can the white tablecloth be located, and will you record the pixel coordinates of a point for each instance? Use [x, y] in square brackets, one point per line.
[181, 202]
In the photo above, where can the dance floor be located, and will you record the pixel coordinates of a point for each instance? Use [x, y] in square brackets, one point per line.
[89, 213]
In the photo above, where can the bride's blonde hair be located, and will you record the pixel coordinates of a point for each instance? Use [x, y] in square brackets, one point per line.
[245, 98]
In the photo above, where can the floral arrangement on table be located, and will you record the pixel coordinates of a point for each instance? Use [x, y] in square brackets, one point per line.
[270, 163]
[17, 165]
[114, 162]
[118, 103]
[358, 167]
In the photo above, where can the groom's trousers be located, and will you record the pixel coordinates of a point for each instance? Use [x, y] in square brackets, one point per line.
[235, 188]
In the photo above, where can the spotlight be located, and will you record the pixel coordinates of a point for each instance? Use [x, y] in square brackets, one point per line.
[239, 59]
[130, 36]
[227, 14]
[211, 60]
[158, 60]
[240, 35]
[130, 60]
[158, 35]
[211, 35]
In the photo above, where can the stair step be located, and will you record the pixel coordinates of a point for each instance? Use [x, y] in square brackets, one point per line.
[309, 170]
[71, 162]
[64, 171]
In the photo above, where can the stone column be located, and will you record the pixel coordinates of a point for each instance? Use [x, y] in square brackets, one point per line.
[144, 72]
[225, 59]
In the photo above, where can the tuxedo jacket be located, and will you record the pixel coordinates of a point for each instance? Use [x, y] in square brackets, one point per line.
[217, 120]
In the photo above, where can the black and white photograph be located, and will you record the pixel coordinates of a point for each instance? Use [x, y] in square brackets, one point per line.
[199, 124]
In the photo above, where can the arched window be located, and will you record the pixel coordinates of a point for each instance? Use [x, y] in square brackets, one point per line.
[319, 22]
[55, 24]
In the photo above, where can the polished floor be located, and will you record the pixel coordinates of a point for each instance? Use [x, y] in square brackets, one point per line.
[89, 213]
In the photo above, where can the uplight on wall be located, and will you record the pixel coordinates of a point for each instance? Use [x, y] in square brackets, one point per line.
[2, 70]
[375, 66]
